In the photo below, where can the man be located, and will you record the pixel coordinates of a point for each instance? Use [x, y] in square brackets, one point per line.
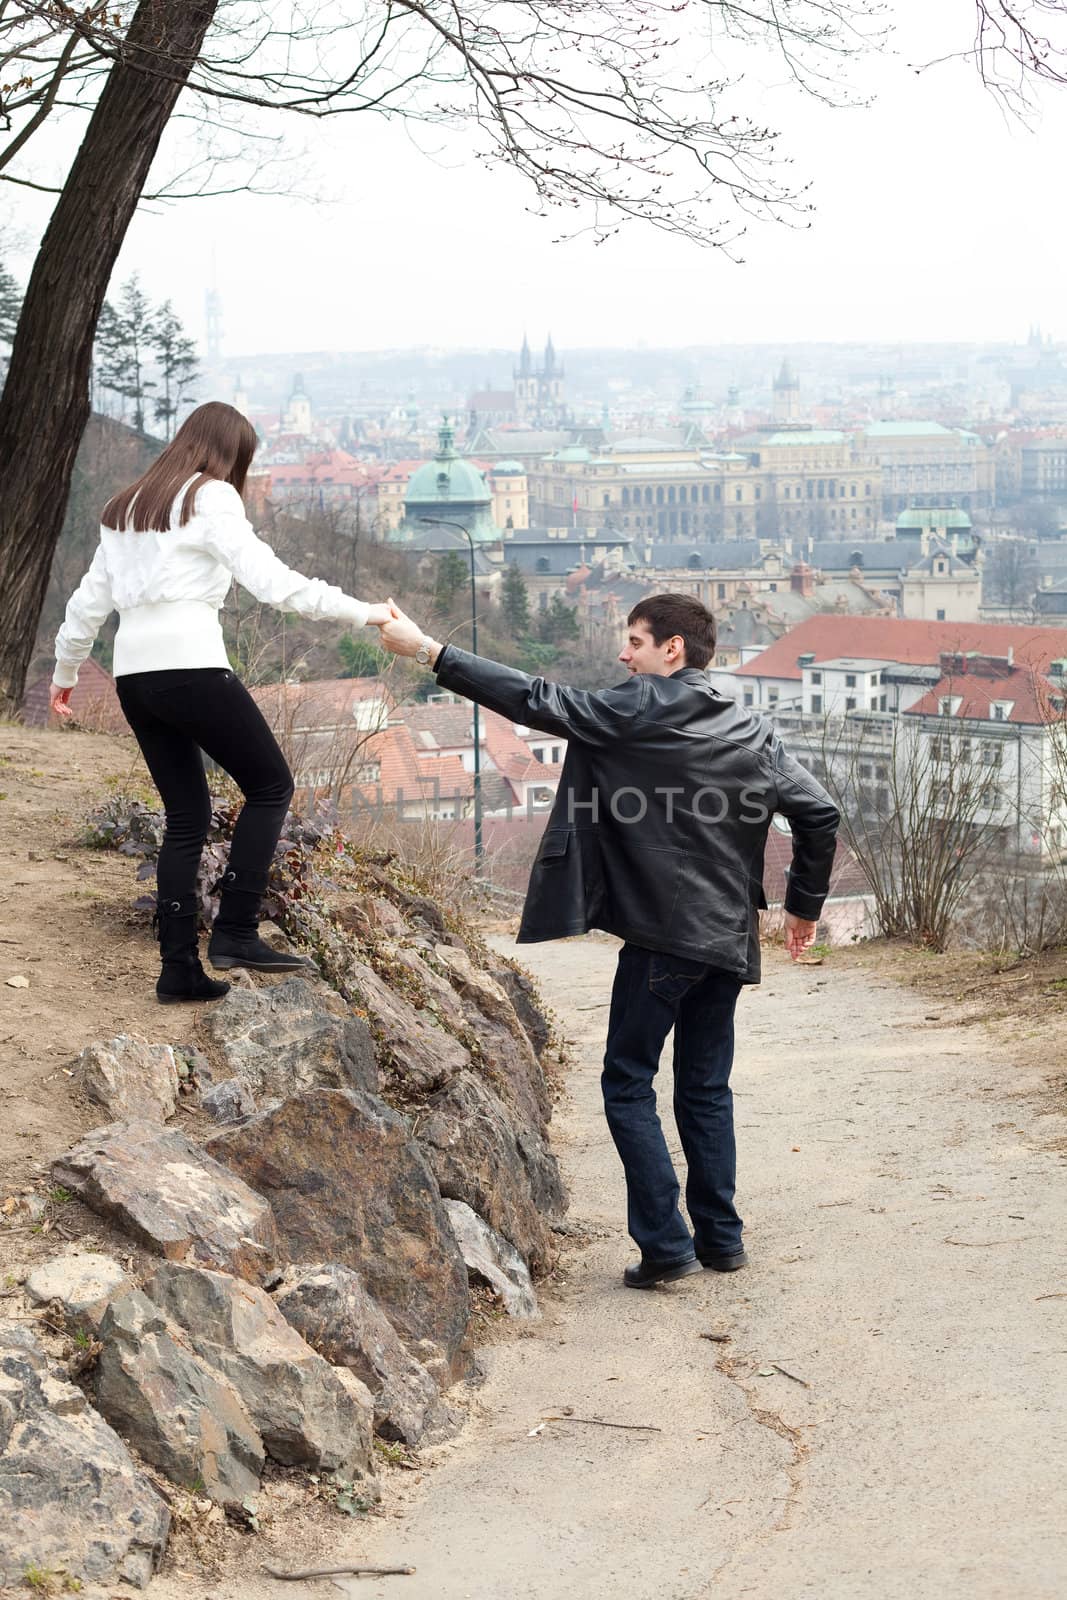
[657, 835]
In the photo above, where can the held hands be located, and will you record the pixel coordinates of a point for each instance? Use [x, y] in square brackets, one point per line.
[400, 635]
[376, 615]
[799, 935]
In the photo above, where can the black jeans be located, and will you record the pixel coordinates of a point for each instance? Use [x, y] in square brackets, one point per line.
[174, 716]
[652, 994]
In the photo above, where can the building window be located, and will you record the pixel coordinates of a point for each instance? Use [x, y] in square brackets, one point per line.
[748, 697]
[759, 492]
[774, 588]
[704, 494]
[941, 614]
[772, 697]
[721, 590]
[718, 491]
[557, 752]
[670, 495]
[874, 680]
[682, 495]
[850, 702]
[850, 680]
[816, 704]
[721, 661]
[737, 494]
[852, 490]
[607, 498]
[816, 677]
[785, 492]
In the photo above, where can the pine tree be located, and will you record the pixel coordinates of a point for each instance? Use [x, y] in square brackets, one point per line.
[515, 602]
[559, 624]
[452, 574]
[175, 354]
[124, 336]
[360, 658]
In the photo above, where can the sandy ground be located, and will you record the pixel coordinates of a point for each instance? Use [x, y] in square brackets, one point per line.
[886, 1417]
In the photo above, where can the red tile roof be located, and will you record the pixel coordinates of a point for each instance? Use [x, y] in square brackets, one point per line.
[404, 774]
[904, 640]
[846, 875]
[318, 703]
[1024, 687]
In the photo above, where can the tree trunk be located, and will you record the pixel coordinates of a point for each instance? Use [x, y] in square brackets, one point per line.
[45, 402]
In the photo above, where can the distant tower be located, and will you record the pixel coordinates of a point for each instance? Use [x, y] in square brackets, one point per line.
[786, 394]
[411, 413]
[240, 398]
[298, 411]
[213, 326]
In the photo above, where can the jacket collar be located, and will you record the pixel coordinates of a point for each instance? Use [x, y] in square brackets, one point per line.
[691, 675]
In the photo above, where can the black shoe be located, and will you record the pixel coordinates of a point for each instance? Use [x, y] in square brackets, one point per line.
[226, 950]
[648, 1273]
[730, 1263]
[182, 979]
[235, 940]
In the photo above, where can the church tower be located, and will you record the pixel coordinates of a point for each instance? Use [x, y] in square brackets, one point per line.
[539, 392]
[786, 395]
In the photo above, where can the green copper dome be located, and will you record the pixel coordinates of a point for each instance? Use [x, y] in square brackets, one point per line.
[447, 480]
[934, 517]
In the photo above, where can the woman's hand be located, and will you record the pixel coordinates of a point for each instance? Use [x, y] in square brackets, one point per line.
[59, 701]
[377, 616]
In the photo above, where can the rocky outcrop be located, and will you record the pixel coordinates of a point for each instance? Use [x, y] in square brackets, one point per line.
[181, 1416]
[130, 1078]
[304, 1413]
[503, 1046]
[71, 1497]
[291, 1036]
[416, 1054]
[520, 991]
[81, 1281]
[348, 1184]
[492, 1259]
[166, 1192]
[328, 1304]
[231, 1100]
[481, 1154]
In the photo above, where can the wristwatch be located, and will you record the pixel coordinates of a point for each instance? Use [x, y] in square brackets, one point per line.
[424, 652]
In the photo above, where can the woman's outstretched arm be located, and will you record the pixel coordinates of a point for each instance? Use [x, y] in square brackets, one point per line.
[231, 538]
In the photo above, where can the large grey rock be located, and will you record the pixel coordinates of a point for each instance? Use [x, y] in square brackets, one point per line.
[506, 1056]
[288, 1037]
[179, 1413]
[305, 1414]
[414, 1051]
[480, 1153]
[492, 1259]
[83, 1281]
[71, 1497]
[330, 1307]
[520, 991]
[348, 1184]
[165, 1191]
[130, 1078]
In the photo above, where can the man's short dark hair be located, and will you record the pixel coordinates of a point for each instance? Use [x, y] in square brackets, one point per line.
[667, 614]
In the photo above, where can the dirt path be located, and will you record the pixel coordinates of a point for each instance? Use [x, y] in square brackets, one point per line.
[903, 1188]
[905, 1236]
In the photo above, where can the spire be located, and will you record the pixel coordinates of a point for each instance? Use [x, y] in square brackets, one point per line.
[524, 358]
[550, 358]
[446, 441]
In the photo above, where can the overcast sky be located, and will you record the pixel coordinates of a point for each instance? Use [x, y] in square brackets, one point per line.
[937, 218]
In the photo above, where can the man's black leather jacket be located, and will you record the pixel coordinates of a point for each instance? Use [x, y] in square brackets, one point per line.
[659, 826]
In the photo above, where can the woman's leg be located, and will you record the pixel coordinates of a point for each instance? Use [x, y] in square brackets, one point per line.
[173, 758]
[177, 769]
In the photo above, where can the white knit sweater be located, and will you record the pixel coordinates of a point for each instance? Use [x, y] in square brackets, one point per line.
[168, 587]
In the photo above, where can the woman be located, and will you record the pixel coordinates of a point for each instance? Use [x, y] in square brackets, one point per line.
[170, 545]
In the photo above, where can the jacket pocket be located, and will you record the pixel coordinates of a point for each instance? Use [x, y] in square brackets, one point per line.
[554, 846]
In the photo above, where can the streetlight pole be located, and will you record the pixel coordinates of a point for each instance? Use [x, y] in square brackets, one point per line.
[443, 522]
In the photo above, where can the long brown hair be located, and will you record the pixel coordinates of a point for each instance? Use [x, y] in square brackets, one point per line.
[214, 441]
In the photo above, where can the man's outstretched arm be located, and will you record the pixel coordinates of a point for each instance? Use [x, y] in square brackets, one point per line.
[592, 717]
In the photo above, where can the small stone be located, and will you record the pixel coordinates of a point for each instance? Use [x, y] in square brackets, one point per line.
[230, 1101]
[130, 1078]
[491, 1258]
[17, 982]
[82, 1281]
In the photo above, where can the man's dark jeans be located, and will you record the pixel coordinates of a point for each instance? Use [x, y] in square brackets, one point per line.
[653, 993]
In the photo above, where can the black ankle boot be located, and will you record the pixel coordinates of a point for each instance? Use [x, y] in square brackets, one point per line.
[182, 977]
[235, 941]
